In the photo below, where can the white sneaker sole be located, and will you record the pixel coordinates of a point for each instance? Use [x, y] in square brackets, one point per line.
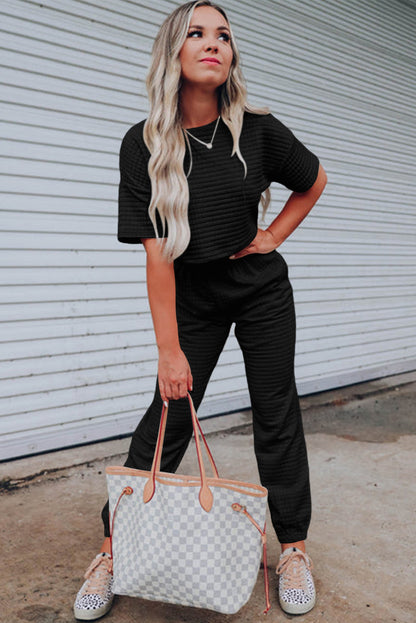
[297, 608]
[94, 613]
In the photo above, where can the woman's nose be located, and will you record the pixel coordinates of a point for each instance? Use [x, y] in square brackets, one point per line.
[211, 45]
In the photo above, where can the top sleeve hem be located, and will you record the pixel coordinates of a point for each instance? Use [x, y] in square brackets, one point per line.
[309, 185]
[129, 240]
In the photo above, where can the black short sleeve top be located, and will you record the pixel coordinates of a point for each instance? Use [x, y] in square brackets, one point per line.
[223, 205]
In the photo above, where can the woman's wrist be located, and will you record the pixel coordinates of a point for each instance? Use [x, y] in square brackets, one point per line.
[171, 346]
[275, 241]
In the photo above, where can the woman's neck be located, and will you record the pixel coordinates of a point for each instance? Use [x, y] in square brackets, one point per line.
[198, 107]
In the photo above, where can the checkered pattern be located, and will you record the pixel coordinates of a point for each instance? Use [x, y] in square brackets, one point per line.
[171, 550]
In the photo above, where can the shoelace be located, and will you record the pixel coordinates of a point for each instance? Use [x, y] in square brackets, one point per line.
[291, 567]
[97, 574]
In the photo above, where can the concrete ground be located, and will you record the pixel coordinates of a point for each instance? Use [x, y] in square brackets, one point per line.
[361, 443]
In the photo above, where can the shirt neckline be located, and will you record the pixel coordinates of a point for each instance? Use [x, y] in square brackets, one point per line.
[203, 127]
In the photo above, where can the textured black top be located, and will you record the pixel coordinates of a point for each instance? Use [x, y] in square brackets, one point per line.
[223, 206]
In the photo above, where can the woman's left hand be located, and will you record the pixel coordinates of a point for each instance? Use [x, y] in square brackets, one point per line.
[262, 243]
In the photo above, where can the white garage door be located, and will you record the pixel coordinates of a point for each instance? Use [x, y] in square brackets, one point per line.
[78, 360]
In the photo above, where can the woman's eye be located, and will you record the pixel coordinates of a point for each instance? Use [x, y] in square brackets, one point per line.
[198, 33]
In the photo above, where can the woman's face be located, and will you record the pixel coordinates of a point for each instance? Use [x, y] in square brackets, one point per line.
[206, 55]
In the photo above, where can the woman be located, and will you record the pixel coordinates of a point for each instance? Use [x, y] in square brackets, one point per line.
[192, 176]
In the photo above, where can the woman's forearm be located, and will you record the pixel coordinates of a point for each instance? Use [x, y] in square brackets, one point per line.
[161, 290]
[296, 209]
[174, 373]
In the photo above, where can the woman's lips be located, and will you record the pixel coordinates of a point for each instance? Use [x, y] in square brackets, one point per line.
[210, 61]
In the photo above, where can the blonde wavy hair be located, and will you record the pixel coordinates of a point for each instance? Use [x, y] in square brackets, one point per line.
[163, 133]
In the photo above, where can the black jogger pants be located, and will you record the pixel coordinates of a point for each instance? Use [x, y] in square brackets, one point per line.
[254, 293]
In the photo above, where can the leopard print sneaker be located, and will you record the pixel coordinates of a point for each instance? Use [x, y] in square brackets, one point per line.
[95, 597]
[296, 587]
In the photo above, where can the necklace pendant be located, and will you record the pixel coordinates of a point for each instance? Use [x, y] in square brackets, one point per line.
[207, 145]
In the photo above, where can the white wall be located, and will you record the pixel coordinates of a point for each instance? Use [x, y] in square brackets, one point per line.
[77, 355]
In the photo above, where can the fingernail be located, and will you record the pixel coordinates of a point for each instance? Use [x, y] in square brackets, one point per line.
[165, 402]
[232, 257]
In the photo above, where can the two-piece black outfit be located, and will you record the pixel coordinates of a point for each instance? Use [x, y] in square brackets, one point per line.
[213, 291]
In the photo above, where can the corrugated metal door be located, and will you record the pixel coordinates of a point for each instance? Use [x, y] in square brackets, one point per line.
[78, 357]
[342, 74]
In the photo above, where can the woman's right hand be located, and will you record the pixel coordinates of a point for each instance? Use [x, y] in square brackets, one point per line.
[174, 373]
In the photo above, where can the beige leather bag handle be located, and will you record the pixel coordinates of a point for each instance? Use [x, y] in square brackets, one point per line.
[205, 494]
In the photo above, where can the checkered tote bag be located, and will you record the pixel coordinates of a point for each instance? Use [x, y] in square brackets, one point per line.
[189, 540]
